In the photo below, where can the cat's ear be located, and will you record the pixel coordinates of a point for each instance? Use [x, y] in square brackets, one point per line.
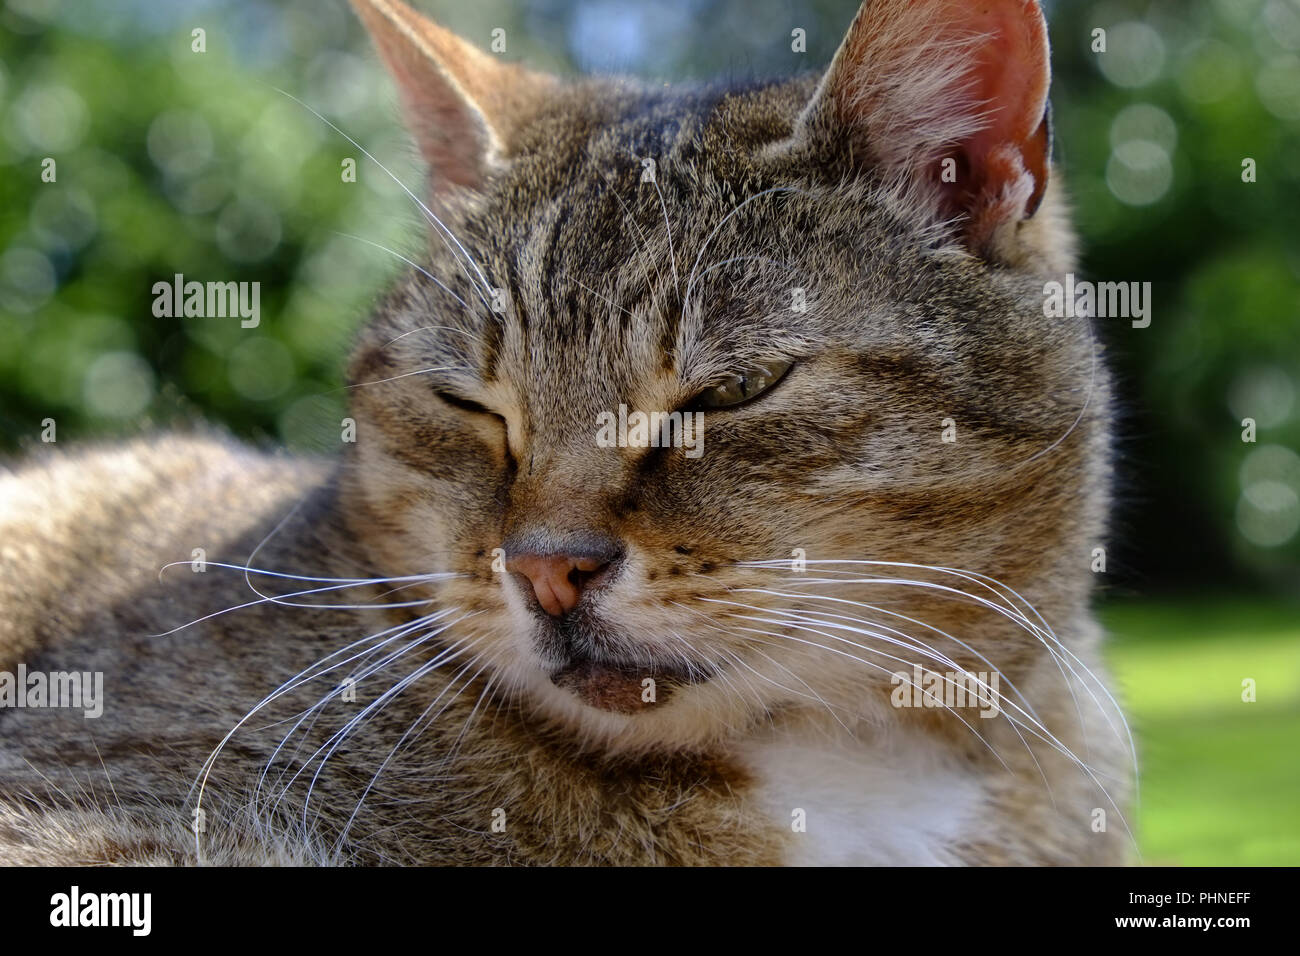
[463, 105]
[948, 99]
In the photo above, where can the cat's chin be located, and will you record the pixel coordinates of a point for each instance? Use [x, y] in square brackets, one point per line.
[612, 710]
[622, 688]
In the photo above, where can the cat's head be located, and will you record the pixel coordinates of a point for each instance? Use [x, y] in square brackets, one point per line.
[837, 281]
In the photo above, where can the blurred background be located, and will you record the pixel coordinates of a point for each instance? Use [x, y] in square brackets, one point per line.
[167, 160]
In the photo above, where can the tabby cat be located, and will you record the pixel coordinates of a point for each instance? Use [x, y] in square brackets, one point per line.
[839, 614]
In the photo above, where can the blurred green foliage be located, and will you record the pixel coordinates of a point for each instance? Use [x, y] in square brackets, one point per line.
[1185, 93]
[172, 161]
[1219, 775]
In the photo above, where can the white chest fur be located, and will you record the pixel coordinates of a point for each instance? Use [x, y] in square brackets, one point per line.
[895, 799]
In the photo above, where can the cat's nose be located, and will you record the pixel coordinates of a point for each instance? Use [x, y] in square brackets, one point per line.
[558, 579]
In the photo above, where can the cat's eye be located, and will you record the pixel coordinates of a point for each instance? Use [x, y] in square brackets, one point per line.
[742, 387]
[463, 403]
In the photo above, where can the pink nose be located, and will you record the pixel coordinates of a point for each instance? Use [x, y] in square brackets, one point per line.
[557, 579]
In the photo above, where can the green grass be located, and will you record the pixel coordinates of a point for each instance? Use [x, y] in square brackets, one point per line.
[1220, 778]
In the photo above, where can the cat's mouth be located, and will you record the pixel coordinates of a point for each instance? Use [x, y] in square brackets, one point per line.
[625, 688]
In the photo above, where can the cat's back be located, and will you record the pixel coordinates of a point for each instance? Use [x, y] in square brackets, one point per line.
[85, 528]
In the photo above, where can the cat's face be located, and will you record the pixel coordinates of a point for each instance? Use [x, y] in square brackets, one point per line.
[823, 338]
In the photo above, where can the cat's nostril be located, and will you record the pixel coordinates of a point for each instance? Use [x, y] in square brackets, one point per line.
[558, 580]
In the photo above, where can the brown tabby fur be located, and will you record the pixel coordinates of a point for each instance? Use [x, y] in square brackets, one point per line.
[904, 328]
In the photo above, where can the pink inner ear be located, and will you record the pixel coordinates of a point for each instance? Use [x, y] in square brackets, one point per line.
[926, 83]
[449, 135]
[462, 104]
[1006, 160]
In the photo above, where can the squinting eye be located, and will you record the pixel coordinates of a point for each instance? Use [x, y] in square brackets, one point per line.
[465, 404]
[742, 387]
